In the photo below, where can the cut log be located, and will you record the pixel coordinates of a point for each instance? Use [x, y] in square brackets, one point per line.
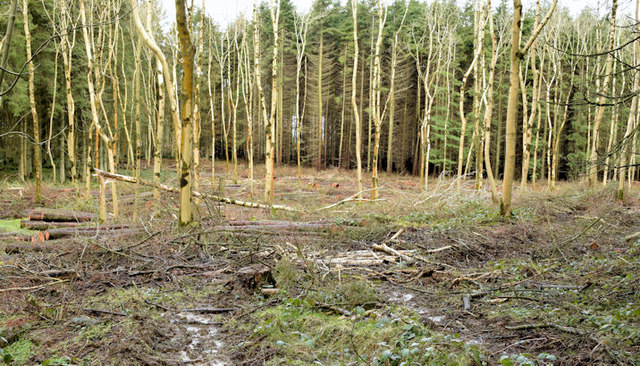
[232, 201]
[287, 226]
[279, 222]
[52, 234]
[50, 214]
[386, 249]
[44, 225]
[37, 247]
[15, 236]
[632, 237]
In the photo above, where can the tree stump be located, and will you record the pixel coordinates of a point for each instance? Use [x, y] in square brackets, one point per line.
[254, 277]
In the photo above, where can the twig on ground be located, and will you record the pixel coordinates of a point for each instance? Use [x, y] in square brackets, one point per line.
[32, 287]
[354, 197]
[98, 311]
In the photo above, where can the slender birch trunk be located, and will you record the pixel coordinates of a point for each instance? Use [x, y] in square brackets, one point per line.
[595, 135]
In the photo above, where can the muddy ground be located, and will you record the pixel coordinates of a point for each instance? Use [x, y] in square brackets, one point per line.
[556, 284]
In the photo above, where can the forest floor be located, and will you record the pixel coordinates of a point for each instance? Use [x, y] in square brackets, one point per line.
[413, 278]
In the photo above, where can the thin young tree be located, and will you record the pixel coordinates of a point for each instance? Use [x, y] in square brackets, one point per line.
[517, 54]
[376, 108]
[354, 102]
[37, 156]
[606, 84]
[166, 73]
[301, 24]
[627, 140]
[269, 127]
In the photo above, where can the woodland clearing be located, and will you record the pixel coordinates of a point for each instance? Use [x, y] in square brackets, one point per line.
[421, 278]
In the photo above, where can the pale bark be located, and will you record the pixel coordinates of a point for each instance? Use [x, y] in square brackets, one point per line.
[320, 121]
[463, 118]
[376, 110]
[67, 47]
[186, 159]
[595, 135]
[354, 103]
[527, 125]
[51, 117]
[488, 114]
[627, 141]
[301, 28]
[269, 127]
[512, 112]
[196, 109]
[213, 117]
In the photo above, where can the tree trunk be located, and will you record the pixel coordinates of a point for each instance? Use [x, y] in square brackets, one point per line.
[512, 111]
[633, 117]
[377, 117]
[593, 171]
[528, 123]
[354, 103]
[187, 51]
[37, 159]
[320, 120]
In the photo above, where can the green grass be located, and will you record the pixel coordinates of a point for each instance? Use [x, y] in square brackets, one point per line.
[305, 335]
[17, 353]
[13, 225]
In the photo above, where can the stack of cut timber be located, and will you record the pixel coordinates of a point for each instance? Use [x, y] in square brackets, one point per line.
[60, 233]
[57, 224]
[55, 215]
[48, 218]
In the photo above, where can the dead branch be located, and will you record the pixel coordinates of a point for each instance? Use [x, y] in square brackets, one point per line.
[32, 287]
[632, 237]
[232, 201]
[386, 249]
[354, 198]
[98, 311]
[209, 310]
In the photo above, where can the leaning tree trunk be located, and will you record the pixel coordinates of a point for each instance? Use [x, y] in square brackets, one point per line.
[6, 44]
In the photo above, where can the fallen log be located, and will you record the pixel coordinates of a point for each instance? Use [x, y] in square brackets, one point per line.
[632, 237]
[292, 226]
[278, 223]
[51, 214]
[53, 234]
[60, 273]
[35, 247]
[44, 225]
[232, 201]
[209, 310]
[16, 236]
[386, 249]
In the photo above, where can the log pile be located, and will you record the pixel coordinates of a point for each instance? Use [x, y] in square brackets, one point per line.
[53, 224]
[55, 215]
